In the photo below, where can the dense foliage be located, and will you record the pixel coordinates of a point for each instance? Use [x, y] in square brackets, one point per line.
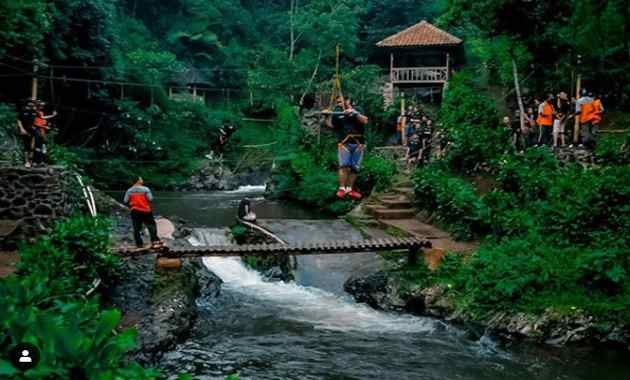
[469, 118]
[553, 234]
[245, 55]
[544, 38]
[46, 305]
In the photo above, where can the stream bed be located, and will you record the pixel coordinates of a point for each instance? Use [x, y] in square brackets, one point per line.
[311, 329]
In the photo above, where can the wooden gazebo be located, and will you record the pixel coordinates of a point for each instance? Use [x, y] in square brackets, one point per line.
[193, 81]
[421, 56]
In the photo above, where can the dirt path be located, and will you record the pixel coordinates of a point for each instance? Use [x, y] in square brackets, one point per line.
[439, 238]
[8, 260]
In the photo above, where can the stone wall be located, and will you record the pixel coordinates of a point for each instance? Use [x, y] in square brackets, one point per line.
[33, 198]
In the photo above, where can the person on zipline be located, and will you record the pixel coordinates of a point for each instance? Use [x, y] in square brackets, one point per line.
[219, 140]
[139, 197]
[349, 124]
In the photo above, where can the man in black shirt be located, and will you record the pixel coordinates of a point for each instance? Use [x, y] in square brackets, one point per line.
[563, 109]
[349, 125]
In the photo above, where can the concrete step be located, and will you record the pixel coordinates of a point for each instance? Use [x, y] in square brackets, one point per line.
[396, 204]
[405, 190]
[380, 212]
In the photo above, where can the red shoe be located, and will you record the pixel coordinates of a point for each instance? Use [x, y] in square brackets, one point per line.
[355, 195]
[341, 193]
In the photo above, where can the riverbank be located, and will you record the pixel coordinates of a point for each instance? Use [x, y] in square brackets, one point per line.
[424, 290]
[398, 290]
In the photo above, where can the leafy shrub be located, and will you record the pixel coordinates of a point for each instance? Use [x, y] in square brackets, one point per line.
[472, 145]
[470, 120]
[452, 200]
[604, 268]
[529, 176]
[46, 306]
[552, 236]
[614, 150]
[10, 149]
[76, 337]
[587, 206]
[376, 173]
[76, 251]
[64, 156]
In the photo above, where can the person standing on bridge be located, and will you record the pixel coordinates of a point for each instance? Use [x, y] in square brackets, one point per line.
[139, 197]
[349, 124]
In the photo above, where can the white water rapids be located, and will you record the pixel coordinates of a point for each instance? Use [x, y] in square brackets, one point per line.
[321, 309]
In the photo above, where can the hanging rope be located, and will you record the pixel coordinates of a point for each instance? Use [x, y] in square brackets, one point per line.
[336, 87]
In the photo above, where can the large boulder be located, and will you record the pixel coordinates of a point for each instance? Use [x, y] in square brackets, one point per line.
[161, 304]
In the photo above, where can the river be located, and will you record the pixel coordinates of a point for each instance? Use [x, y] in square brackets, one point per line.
[311, 329]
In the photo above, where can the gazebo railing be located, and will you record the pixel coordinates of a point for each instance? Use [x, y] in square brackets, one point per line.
[419, 74]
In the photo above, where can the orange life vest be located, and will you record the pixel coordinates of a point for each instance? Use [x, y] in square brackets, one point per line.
[546, 117]
[597, 112]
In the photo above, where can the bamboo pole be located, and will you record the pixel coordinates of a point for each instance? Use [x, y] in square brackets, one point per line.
[517, 88]
[34, 83]
[578, 88]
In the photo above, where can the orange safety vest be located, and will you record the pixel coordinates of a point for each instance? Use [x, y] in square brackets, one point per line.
[39, 120]
[587, 111]
[546, 117]
[597, 112]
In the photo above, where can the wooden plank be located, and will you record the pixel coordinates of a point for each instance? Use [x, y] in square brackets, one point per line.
[329, 247]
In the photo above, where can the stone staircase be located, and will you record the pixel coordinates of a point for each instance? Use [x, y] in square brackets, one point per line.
[396, 204]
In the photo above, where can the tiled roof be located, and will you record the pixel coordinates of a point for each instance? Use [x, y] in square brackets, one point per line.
[421, 34]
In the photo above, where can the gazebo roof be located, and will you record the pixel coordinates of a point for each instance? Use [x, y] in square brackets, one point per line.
[420, 34]
[189, 76]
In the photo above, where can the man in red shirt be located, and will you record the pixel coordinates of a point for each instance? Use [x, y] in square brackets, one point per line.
[139, 198]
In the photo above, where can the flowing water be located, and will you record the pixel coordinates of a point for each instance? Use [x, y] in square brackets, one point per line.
[311, 329]
[218, 209]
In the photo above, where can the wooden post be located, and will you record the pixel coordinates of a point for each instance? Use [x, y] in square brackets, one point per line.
[52, 85]
[448, 66]
[34, 83]
[170, 92]
[195, 91]
[391, 67]
[578, 88]
[403, 136]
[151, 95]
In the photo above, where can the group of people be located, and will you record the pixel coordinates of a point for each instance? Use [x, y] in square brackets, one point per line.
[417, 128]
[551, 122]
[32, 128]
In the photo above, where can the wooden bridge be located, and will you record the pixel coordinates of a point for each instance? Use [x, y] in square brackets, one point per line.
[412, 245]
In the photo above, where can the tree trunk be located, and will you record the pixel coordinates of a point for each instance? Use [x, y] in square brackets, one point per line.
[310, 82]
[292, 12]
[517, 87]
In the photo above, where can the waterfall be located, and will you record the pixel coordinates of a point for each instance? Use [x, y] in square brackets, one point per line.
[309, 305]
